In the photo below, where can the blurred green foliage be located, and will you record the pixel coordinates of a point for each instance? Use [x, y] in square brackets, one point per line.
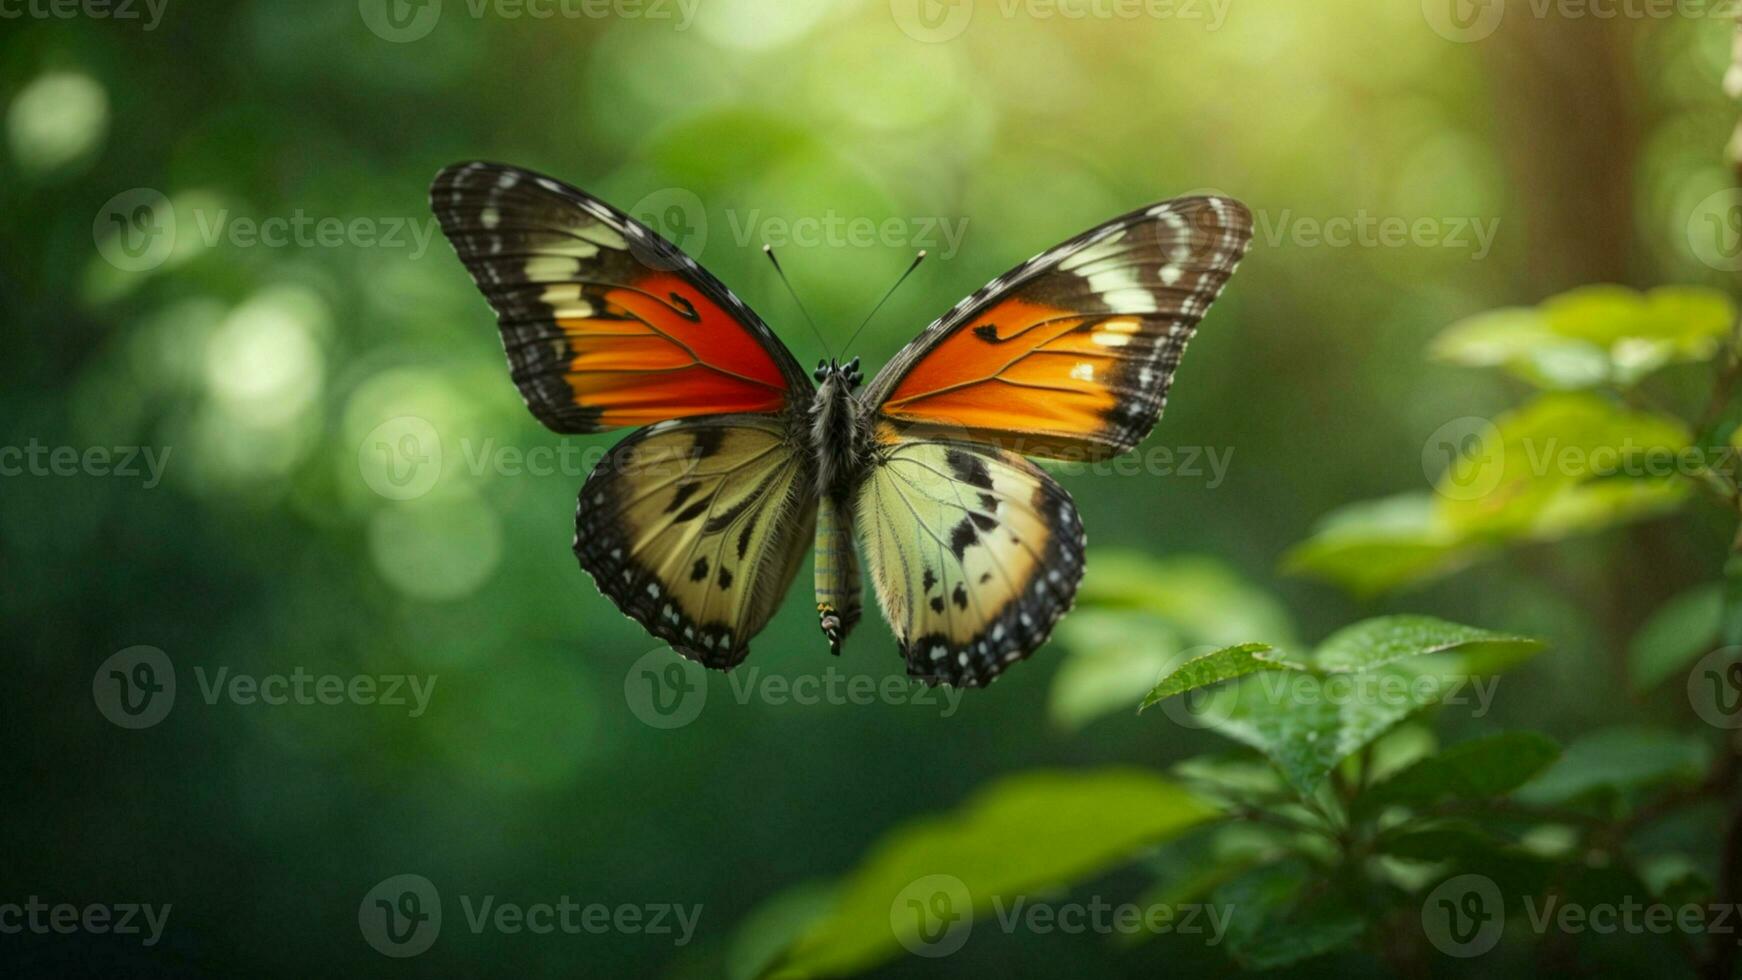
[1589, 147]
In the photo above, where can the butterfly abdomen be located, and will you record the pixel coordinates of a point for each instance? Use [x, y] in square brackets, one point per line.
[838, 589]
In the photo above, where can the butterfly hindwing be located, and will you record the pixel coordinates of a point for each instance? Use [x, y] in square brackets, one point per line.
[695, 529]
[605, 323]
[1071, 354]
[974, 553]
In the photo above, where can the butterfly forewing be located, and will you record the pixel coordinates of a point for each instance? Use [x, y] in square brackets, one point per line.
[605, 323]
[1071, 354]
[974, 552]
[696, 528]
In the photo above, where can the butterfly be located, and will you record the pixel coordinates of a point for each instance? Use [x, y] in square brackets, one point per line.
[696, 524]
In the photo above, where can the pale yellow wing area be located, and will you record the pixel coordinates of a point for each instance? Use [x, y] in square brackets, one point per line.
[974, 552]
[695, 529]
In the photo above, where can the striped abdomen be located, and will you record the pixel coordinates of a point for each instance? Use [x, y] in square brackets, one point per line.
[837, 571]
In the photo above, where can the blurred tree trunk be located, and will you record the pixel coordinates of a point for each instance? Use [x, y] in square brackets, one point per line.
[1566, 102]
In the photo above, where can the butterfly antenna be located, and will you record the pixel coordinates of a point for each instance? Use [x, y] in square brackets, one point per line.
[917, 259]
[768, 250]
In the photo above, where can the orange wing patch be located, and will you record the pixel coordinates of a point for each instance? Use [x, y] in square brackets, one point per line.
[605, 323]
[1070, 355]
[660, 350]
[1027, 372]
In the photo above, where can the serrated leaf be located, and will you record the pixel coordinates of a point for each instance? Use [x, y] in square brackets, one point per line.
[1618, 760]
[1677, 634]
[1018, 836]
[1215, 667]
[1385, 670]
[1480, 769]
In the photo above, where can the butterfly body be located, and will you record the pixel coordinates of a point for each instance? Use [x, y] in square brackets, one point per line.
[696, 523]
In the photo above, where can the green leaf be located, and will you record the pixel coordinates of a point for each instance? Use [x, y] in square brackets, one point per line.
[1111, 656]
[1618, 760]
[1677, 634]
[1480, 769]
[1140, 616]
[1379, 545]
[1273, 924]
[1548, 477]
[1363, 681]
[1437, 841]
[1373, 643]
[1593, 335]
[1020, 835]
[1323, 928]
[773, 926]
[1201, 597]
[1215, 667]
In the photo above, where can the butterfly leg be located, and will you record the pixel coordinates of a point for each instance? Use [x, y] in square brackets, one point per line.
[838, 591]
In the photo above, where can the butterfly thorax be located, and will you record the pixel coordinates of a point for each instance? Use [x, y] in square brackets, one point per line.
[838, 435]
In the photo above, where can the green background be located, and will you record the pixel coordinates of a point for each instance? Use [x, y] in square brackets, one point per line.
[1587, 145]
